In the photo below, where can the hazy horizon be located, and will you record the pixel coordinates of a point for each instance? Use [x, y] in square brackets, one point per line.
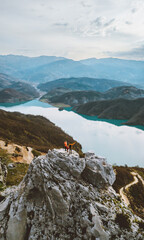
[22, 55]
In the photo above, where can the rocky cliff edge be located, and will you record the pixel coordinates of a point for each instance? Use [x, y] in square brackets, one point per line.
[66, 197]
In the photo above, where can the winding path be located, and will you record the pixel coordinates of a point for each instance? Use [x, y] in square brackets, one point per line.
[122, 190]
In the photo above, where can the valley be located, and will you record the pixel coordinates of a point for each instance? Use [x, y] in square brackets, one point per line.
[38, 176]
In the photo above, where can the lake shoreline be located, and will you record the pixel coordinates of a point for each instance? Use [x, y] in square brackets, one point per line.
[120, 145]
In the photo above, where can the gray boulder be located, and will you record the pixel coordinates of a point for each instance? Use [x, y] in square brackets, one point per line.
[97, 171]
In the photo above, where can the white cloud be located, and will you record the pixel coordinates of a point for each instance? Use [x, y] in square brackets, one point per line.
[134, 53]
[63, 27]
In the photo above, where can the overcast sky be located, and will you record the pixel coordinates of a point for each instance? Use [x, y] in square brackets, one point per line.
[75, 29]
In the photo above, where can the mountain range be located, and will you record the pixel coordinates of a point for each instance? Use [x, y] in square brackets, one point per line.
[73, 98]
[48, 68]
[81, 83]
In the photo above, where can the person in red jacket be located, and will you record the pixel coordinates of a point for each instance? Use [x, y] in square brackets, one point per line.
[66, 146]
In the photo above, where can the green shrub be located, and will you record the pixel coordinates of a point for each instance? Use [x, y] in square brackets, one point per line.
[18, 149]
[141, 224]
[123, 220]
[36, 153]
[136, 197]
[1, 186]
[123, 177]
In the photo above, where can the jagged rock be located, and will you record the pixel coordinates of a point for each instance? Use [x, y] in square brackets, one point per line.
[11, 165]
[17, 226]
[97, 171]
[101, 207]
[55, 201]
[3, 174]
[69, 163]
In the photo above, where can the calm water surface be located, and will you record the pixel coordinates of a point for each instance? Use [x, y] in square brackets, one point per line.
[118, 144]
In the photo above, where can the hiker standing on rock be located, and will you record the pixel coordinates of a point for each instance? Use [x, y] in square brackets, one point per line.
[68, 147]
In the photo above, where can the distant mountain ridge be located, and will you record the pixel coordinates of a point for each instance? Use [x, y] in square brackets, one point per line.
[13, 90]
[9, 95]
[81, 83]
[48, 68]
[72, 98]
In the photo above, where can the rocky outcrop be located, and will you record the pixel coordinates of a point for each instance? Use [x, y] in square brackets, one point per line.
[66, 197]
[97, 171]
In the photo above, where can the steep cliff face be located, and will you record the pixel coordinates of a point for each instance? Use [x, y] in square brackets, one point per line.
[66, 197]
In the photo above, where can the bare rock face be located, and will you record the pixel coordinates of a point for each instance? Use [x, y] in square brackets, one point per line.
[97, 171]
[3, 174]
[66, 197]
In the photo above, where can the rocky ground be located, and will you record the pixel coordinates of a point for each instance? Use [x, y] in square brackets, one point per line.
[18, 153]
[66, 197]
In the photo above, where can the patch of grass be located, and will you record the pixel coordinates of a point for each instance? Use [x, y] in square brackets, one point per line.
[15, 175]
[139, 170]
[123, 221]
[136, 198]
[4, 157]
[36, 153]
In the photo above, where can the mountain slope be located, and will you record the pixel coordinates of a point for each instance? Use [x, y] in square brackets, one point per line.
[13, 90]
[9, 95]
[73, 98]
[120, 69]
[55, 70]
[15, 64]
[126, 92]
[82, 83]
[131, 110]
[34, 131]
[134, 193]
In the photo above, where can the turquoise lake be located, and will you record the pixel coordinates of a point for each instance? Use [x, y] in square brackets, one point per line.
[119, 144]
